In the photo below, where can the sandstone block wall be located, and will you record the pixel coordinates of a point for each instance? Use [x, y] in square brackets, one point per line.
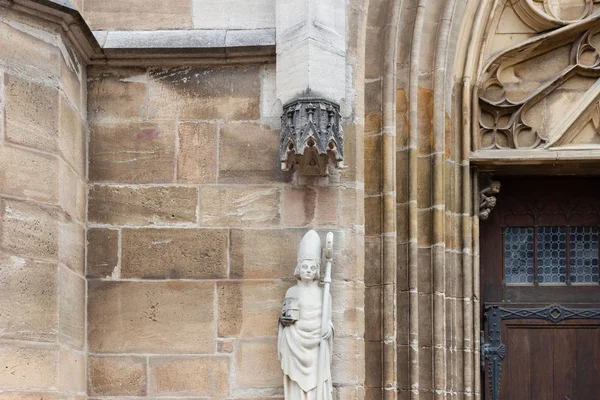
[177, 14]
[193, 231]
[42, 212]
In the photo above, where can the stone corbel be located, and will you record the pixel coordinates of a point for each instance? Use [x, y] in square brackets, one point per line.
[487, 199]
[311, 135]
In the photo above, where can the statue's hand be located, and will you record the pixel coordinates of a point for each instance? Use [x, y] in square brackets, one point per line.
[286, 321]
[327, 334]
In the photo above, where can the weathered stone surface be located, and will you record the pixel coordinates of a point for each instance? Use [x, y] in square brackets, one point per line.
[27, 174]
[30, 230]
[164, 39]
[72, 309]
[132, 152]
[72, 246]
[257, 355]
[33, 367]
[249, 153]
[119, 205]
[72, 192]
[203, 93]
[138, 14]
[345, 369]
[117, 376]
[72, 371]
[31, 113]
[189, 376]
[225, 346]
[239, 206]
[197, 153]
[230, 14]
[71, 137]
[154, 317]
[102, 252]
[174, 253]
[28, 299]
[117, 94]
[242, 304]
[250, 261]
[73, 81]
[34, 56]
[250, 37]
[310, 205]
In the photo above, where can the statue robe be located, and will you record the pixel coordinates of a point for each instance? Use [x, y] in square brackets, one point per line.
[298, 348]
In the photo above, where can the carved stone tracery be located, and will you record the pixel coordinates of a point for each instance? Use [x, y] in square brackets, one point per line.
[508, 99]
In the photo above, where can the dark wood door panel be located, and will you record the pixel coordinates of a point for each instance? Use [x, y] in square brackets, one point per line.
[548, 361]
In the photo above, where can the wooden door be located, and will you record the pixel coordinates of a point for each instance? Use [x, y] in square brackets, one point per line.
[541, 290]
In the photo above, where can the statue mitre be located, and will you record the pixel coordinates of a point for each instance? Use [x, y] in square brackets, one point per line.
[310, 247]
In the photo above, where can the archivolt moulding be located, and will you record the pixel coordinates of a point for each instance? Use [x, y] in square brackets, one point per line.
[543, 15]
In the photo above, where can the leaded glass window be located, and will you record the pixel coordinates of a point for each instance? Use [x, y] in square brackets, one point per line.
[551, 255]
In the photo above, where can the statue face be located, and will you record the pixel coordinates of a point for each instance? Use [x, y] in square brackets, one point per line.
[308, 270]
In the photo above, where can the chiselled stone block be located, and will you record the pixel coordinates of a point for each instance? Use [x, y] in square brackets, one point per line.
[231, 14]
[205, 93]
[120, 205]
[34, 56]
[28, 174]
[248, 154]
[249, 260]
[258, 355]
[30, 367]
[117, 94]
[117, 376]
[242, 304]
[102, 252]
[72, 246]
[174, 253]
[28, 299]
[151, 317]
[197, 153]
[30, 230]
[72, 371]
[71, 137]
[132, 152]
[72, 192]
[191, 376]
[31, 113]
[72, 309]
[138, 14]
[239, 206]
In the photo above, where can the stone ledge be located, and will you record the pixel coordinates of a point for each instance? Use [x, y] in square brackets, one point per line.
[180, 47]
[185, 39]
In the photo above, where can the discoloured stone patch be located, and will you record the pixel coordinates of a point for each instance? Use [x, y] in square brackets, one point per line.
[132, 152]
[198, 93]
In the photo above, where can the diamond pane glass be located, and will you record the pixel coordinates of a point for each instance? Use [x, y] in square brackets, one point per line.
[583, 252]
[518, 255]
[552, 254]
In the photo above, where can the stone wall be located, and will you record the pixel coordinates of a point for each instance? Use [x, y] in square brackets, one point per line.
[178, 14]
[42, 211]
[192, 237]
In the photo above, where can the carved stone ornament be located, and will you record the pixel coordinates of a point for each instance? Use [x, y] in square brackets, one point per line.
[311, 135]
[544, 93]
[305, 338]
[487, 199]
